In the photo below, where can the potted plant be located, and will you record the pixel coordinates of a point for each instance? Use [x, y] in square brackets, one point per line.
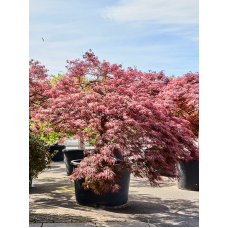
[118, 111]
[39, 156]
[181, 97]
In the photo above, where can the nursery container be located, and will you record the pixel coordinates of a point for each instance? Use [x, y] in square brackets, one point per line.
[59, 155]
[89, 198]
[69, 155]
[190, 175]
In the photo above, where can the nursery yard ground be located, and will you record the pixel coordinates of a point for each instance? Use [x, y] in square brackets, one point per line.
[52, 203]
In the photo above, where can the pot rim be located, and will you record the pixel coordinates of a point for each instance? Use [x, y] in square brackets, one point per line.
[77, 162]
[59, 146]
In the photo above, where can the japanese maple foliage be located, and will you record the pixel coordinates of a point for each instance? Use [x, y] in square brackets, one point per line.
[181, 97]
[119, 112]
[38, 84]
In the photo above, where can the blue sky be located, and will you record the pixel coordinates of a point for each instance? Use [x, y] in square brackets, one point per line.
[149, 34]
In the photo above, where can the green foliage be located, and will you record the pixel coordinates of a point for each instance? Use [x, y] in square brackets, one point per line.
[53, 137]
[50, 138]
[94, 137]
[54, 78]
[93, 141]
[39, 155]
[173, 76]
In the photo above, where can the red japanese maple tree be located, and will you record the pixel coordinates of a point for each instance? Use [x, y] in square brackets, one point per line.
[38, 84]
[181, 97]
[118, 112]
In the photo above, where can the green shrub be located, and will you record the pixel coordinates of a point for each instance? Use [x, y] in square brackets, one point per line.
[39, 155]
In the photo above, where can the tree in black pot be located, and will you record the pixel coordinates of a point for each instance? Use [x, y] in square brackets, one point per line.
[181, 98]
[118, 110]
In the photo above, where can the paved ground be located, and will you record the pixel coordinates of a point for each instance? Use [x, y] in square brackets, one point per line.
[52, 203]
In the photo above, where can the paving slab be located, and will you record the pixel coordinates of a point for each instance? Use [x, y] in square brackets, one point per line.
[35, 224]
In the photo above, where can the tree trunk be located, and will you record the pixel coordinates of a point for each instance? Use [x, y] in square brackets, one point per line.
[81, 145]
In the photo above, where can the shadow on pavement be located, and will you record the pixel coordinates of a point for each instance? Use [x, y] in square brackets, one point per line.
[59, 170]
[55, 166]
[178, 212]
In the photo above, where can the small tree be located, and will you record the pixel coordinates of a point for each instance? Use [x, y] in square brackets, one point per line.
[118, 110]
[38, 84]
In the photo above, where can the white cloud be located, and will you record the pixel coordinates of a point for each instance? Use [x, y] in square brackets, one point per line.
[160, 11]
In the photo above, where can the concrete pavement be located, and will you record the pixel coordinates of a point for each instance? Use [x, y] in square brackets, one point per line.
[52, 203]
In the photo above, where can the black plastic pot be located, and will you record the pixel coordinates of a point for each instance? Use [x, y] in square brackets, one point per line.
[88, 198]
[190, 173]
[59, 155]
[69, 155]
